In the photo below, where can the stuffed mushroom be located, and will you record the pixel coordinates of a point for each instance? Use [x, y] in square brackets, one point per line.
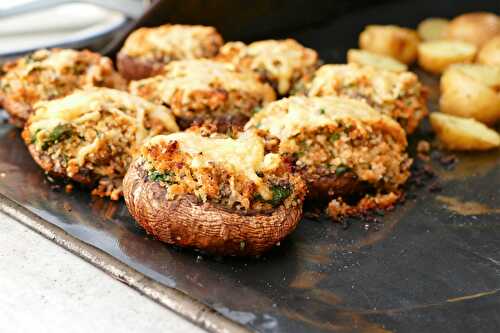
[50, 74]
[285, 64]
[147, 50]
[92, 135]
[206, 91]
[345, 150]
[398, 95]
[224, 195]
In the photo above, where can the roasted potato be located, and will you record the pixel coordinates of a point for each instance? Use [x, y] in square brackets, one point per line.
[51, 74]
[490, 52]
[390, 40]
[206, 91]
[432, 28]
[342, 147]
[378, 61]
[436, 56]
[223, 195]
[91, 136]
[284, 64]
[471, 90]
[147, 50]
[475, 28]
[398, 95]
[457, 133]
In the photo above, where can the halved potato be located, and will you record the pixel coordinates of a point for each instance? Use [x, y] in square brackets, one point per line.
[366, 58]
[390, 40]
[475, 28]
[457, 133]
[435, 56]
[432, 28]
[490, 52]
[471, 90]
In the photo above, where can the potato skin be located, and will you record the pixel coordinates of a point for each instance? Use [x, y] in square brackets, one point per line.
[393, 41]
[135, 69]
[464, 96]
[475, 28]
[187, 223]
[490, 52]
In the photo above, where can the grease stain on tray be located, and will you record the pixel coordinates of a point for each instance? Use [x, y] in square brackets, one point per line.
[466, 208]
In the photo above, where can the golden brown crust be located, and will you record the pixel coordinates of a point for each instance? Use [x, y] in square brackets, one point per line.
[397, 95]
[51, 74]
[187, 223]
[92, 135]
[285, 64]
[83, 177]
[148, 50]
[201, 91]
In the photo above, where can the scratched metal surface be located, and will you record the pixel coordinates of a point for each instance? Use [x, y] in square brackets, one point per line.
[432, 264]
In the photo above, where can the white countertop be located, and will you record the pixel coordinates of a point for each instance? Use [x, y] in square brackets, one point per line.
[45, 288]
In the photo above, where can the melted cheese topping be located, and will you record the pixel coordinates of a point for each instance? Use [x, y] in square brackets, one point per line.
[281, 58]
[85, 105]
[244, 155]
[175, 41]
[202, 75]
[58, 59]
[387, 85]
[288, 117]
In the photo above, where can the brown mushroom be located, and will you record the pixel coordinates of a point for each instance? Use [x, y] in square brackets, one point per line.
[207, 226]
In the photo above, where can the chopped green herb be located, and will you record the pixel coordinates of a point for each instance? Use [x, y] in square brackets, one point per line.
[158, 176]
[256, 109]
[334, 137]
[59, 133]
[322, 111]
[341, 169]
[33, 137]
[298, 154]
[280, 193]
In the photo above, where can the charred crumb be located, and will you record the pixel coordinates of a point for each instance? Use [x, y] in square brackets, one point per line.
[448, 161]
[423, 150]
[68, 188]
[435, 187]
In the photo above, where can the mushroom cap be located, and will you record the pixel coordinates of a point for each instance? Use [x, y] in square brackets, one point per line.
[207, 226]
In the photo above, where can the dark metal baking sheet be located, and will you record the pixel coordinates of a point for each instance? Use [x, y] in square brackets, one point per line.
[431, 265]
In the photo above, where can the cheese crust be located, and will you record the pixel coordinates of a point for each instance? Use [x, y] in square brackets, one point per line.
[237, 173]
[205, 91]
[173, 42]
[330, 136]
[285, 64]
[50, 74]
[92, 135]
[398, 95]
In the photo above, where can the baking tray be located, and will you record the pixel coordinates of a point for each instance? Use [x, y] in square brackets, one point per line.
[430, 265]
